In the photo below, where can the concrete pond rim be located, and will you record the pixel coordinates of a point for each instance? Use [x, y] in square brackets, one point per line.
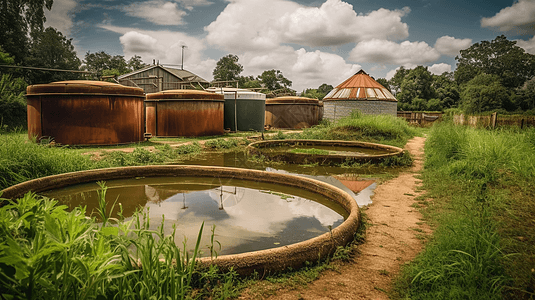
[267, 261]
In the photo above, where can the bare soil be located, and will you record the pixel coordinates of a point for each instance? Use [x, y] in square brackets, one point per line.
[394, 237]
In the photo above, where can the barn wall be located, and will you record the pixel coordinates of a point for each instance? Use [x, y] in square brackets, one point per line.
[162, 80]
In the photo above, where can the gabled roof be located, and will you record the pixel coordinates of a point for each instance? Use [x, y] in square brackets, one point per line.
[183, 75]
[360, 87]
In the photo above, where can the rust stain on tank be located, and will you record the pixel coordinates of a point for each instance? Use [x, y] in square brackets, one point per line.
[293, 112]
[185, 113]
[81, 112]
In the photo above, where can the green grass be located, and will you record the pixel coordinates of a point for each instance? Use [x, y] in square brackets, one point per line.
[310, 151]
[21, 160]
[482, 185]
[368, 128]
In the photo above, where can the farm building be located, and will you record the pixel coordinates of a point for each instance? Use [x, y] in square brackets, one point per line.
[361, 92]
[156, 78]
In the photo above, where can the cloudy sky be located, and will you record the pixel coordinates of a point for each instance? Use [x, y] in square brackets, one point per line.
[310, 41]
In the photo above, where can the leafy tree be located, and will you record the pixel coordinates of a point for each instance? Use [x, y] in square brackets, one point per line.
[20, 20]
[318, 93]
[12, 101]
[311, 93]
[273, 80]
[50, 49]
[395, 82]
[447, 90]
[5, 58]
[524, 98]
[100, 61]
[227, 68]
[385, 83]
[135, 63]
[484, 93]
[325, 89]
[499, 57]
[418, 83]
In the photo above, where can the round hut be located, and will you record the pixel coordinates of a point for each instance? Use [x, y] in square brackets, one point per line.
[175, 113]
[291, 112]
[84, 112]
[359, 92]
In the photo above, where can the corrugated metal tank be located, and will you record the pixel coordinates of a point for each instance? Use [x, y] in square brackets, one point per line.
[244, 109]
[292, 112]
[184, 113]
[82, 112]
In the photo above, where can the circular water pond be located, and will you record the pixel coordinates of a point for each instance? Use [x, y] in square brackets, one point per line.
[303, 218]
[248, 215]
[322, 151]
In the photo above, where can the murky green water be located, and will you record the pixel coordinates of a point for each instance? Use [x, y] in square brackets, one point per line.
[248, 215]
[241, 160]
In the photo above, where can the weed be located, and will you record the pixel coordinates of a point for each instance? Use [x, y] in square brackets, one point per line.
[221, 143]
[384, 272]
[312, 151]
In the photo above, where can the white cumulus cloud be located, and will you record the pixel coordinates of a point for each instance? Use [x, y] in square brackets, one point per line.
[451, 46]
[336, 23]
[246, 25]
[166, 47]
[157, 11]
[136, 43]
[438, 69]
[388, 52]
[305, 69]
[520, 16]
[257, 24]
[528, 46]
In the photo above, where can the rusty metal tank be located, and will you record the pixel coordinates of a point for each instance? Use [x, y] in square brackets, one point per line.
[184, 113]
[290, 112]
[83, 112]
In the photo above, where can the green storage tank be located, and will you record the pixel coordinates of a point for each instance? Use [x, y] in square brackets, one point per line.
[245, 110]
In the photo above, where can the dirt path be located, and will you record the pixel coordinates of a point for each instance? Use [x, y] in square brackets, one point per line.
[391, 241]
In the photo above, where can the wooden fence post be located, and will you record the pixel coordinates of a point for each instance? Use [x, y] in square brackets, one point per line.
[494, 119]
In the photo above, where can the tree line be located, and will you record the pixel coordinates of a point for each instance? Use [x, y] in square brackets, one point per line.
[492, 75]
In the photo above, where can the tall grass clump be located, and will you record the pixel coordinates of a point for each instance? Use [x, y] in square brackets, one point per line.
[217, 144]
[22, 160]
[483, 245]
[47, 252]
[371, 128]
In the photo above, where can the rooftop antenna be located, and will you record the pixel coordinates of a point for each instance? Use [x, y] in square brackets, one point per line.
[183, 46]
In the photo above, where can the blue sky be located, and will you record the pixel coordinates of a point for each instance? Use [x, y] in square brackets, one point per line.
[310, 41]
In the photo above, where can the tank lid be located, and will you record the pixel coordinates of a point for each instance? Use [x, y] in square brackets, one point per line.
[292, 99]
[184, 95]
[83, 87]
[235, 93]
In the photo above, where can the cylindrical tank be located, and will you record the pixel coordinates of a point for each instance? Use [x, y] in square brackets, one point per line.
[290, 112]
[244, 109]
[82, 112]
[184, 113]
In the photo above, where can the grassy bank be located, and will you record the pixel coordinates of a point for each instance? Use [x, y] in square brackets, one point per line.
[480, 200]
[383, 129]
[21, 160]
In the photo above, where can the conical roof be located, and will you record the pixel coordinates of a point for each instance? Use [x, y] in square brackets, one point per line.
[360, 87]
